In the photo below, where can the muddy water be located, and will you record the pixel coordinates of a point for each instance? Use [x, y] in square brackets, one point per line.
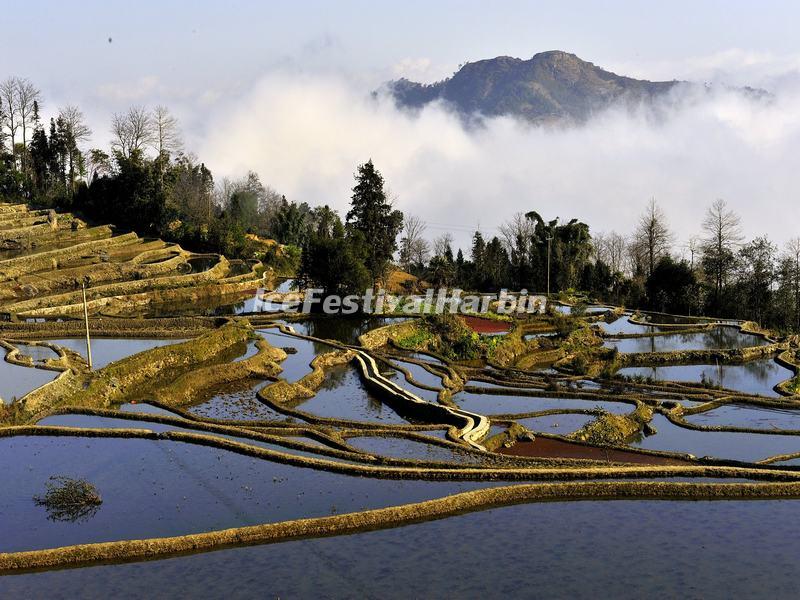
[754, 377]
[158, 488]
[201, 264]
[718, 338]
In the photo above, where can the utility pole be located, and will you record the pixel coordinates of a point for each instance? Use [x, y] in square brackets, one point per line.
[549, 240]
[86, 320]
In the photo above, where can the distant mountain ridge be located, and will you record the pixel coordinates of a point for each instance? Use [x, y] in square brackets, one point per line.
[552, 86]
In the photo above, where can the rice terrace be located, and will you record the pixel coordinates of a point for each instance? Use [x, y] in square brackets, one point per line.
[391, 379]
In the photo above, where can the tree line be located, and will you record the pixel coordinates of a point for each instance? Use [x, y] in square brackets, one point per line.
[724, 275]
[145, 181]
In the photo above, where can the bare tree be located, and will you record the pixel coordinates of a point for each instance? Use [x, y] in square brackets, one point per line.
[722, 229]
[28, 102]
[413, 247]
[442, 243]
[10, 109]
[610, 248]
[77, 132]
[516, 229]
[167, 135]
[75, 123]
[133, 131]
[653, 238]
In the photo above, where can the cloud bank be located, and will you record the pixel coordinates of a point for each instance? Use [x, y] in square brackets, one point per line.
[305, 135]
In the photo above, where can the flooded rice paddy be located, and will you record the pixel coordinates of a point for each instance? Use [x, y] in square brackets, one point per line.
[714, 339]
[754, 377]
[371, 450]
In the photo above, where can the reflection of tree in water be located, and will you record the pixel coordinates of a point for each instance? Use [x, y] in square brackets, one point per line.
[761, 371]
[346, 330]
[345, 382]
[335, 377]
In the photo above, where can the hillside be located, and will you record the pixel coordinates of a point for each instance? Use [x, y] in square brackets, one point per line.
[551, 86]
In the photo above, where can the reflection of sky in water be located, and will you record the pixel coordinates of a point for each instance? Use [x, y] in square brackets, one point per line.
[563, 424]
[755, 377]
[715, 549]
[160, 488]
[623, 325]
[738, 415]
[717, 338]
[344, 395]
[16, 381]
[491, 404]
[108, 350]
[719, 444]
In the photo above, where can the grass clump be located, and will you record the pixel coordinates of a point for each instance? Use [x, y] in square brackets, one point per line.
[69, 500]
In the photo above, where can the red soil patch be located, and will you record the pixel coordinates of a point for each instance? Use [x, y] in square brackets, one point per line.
[480, 325]
[544, 447]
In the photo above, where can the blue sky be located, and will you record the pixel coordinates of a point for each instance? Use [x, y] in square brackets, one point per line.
[281, 88]
[191, 42]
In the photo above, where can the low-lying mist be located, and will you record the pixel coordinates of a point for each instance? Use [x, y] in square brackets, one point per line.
[305, 135]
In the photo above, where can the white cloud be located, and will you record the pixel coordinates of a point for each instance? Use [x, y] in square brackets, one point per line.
[305, 136]
[734, 66]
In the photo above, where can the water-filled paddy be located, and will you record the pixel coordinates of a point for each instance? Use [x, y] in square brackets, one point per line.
[754, 377]
[492, 404]
[738, 415]
[252, 350]
[624, 325]
[238, 401]
[562, 424]
[295, 365]
[157, 488]
[719, 444]
[714, 339]
[38, 354]
[345, 330]
[16, 381]
[701, 549]
[108, 350]
[343, 395]
[420, 375]
[410, 449]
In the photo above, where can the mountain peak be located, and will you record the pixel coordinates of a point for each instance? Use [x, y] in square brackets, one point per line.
[550, 86]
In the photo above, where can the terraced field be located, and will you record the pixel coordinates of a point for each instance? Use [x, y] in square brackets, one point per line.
[205, 431]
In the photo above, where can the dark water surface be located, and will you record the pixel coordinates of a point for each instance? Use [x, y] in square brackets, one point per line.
[157, 488]
[621, 549]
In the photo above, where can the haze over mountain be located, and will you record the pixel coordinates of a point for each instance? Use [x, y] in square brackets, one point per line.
[552, 86]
